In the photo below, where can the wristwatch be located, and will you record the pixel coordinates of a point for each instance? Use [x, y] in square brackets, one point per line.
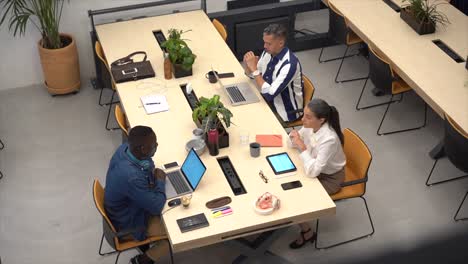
[256, 73]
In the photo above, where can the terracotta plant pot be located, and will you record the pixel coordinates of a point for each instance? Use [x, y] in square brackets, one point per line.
[61, 67]
[420, 28]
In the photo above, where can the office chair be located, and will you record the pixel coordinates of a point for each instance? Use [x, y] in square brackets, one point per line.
[114, 238]
[358, 160]
[102, 58]
[456, 214]
[456, 149]
[383, 76]
[340, 32]
[309, 90]
[122, 121]
[220, 27]
[2, 146]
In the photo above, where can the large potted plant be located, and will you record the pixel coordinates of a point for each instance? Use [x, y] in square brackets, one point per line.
[57, 51]
[180, 54]
[423, 16]
[211, 113]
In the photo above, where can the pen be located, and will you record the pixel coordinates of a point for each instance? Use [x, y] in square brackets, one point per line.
[153, 103]
[220, 209]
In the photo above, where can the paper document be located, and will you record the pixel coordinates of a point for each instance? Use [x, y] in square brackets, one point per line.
[154, 103]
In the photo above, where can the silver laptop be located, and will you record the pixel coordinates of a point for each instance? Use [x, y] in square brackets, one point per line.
[239, 93]
[186, 179]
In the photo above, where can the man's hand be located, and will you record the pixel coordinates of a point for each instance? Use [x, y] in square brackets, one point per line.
[297, 141]
[159, 174]
[251, 61]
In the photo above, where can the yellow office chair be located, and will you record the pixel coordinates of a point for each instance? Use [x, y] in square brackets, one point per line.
[358, 159]
[309, 90]
[221, 29]
[102, 58]
[121, 119]
[340, 32]
[119, 241]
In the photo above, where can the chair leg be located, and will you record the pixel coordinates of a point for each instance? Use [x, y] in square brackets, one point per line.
[402, 130]
[351, 240]
[100, 97]
[117, 258]
[1, 144]
[338, 58]
[374, 105]
[339, 69]
[1, 175]
[100, 248]
[109, 113]
[171, 253]
[456, 214]
[443, 181]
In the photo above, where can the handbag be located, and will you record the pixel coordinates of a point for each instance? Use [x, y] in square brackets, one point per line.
[125, 69]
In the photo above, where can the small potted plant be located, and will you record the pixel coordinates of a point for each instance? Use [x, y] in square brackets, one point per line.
[423, 16]
[180, 54]
[211, 113]
[57, 51]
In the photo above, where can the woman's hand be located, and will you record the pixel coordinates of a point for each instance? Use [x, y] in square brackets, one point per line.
[297, 141]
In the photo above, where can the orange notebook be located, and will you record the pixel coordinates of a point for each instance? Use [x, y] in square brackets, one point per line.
[269, 140]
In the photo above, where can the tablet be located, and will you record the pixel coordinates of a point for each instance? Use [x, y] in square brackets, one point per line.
[281, 163]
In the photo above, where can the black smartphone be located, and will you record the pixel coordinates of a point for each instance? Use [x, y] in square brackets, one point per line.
[171, 165]
[291, 185]
[226, 75]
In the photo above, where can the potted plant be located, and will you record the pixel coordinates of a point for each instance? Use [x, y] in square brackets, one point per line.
[180, 54]
[57, 51]
[423, 16]
[211, 113]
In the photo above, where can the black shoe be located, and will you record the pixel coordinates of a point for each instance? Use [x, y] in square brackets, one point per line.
[141, 259]
[295, 245]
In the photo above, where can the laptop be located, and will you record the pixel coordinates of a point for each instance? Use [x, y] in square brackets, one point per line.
[186, 179]
[238, 93]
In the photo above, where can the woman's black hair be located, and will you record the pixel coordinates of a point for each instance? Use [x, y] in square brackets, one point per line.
[322, 109]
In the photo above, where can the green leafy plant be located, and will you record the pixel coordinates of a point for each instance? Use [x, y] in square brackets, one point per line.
[179, 52]
[426, 12]
[45, 15]
[211, 112]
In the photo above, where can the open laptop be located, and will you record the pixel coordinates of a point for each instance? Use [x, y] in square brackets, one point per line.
[238, 93]
[186, 179]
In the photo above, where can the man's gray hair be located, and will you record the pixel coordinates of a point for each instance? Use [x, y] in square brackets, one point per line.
[278, 30]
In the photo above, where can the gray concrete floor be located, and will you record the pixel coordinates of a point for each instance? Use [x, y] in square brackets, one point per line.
[56, 146]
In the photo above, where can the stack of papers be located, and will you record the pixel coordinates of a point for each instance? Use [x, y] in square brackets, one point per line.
[154, 103]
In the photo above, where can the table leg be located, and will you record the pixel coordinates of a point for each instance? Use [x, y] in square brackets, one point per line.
[258, 249]
[438, 151]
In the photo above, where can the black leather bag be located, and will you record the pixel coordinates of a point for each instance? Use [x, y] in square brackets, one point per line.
[125, 69]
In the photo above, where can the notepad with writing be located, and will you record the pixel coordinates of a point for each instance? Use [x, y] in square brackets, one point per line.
[269, 140]
[154, 103]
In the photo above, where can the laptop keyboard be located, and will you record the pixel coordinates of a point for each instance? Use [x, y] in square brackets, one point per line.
[235, 94]
[176, 179]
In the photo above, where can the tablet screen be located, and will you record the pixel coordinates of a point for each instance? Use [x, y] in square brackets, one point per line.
[281, 163]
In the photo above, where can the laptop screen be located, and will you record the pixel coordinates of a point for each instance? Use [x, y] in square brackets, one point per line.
[193, 169]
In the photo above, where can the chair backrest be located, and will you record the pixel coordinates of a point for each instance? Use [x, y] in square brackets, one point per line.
[221, 29]
[337, 28]
[358, 157]
[309, 90]
[121, 119]
[456, 144]
[108, 228]
[107, 75]
[380, 71]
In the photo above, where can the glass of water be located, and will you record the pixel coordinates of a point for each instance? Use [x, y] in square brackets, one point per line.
[244, 137]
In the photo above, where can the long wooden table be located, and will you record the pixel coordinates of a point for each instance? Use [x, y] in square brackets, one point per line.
[174, 128]
[435, 77]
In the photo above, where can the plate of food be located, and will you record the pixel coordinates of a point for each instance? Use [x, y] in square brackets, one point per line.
[266, 204]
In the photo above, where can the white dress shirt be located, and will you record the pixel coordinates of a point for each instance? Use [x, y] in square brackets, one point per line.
[324, 153]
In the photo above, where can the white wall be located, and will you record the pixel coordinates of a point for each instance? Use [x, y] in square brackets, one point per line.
[20, 66]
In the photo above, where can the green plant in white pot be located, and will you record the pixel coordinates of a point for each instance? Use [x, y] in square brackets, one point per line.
[57, 51]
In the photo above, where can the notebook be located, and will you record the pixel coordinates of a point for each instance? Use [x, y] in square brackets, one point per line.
[154, 103]
[269, 140]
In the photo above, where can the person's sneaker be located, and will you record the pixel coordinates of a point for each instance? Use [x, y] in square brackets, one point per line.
[141, 259]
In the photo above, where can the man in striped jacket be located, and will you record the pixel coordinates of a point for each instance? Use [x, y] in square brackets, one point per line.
[277, 73]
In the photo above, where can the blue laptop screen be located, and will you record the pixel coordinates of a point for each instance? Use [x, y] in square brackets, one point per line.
[193, 169]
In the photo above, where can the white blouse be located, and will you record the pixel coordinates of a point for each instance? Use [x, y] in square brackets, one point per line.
[324, 153]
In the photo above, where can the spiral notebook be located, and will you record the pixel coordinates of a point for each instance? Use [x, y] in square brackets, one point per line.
[154, 103]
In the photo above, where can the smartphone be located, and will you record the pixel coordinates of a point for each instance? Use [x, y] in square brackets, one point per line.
[226, 75]
[171, 165]
[291, 185]
[129, 71]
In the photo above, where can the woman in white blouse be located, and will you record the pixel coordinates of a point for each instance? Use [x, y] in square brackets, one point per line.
[320, 141]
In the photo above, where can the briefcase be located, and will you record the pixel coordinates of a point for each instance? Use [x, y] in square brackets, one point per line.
[125, 69]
